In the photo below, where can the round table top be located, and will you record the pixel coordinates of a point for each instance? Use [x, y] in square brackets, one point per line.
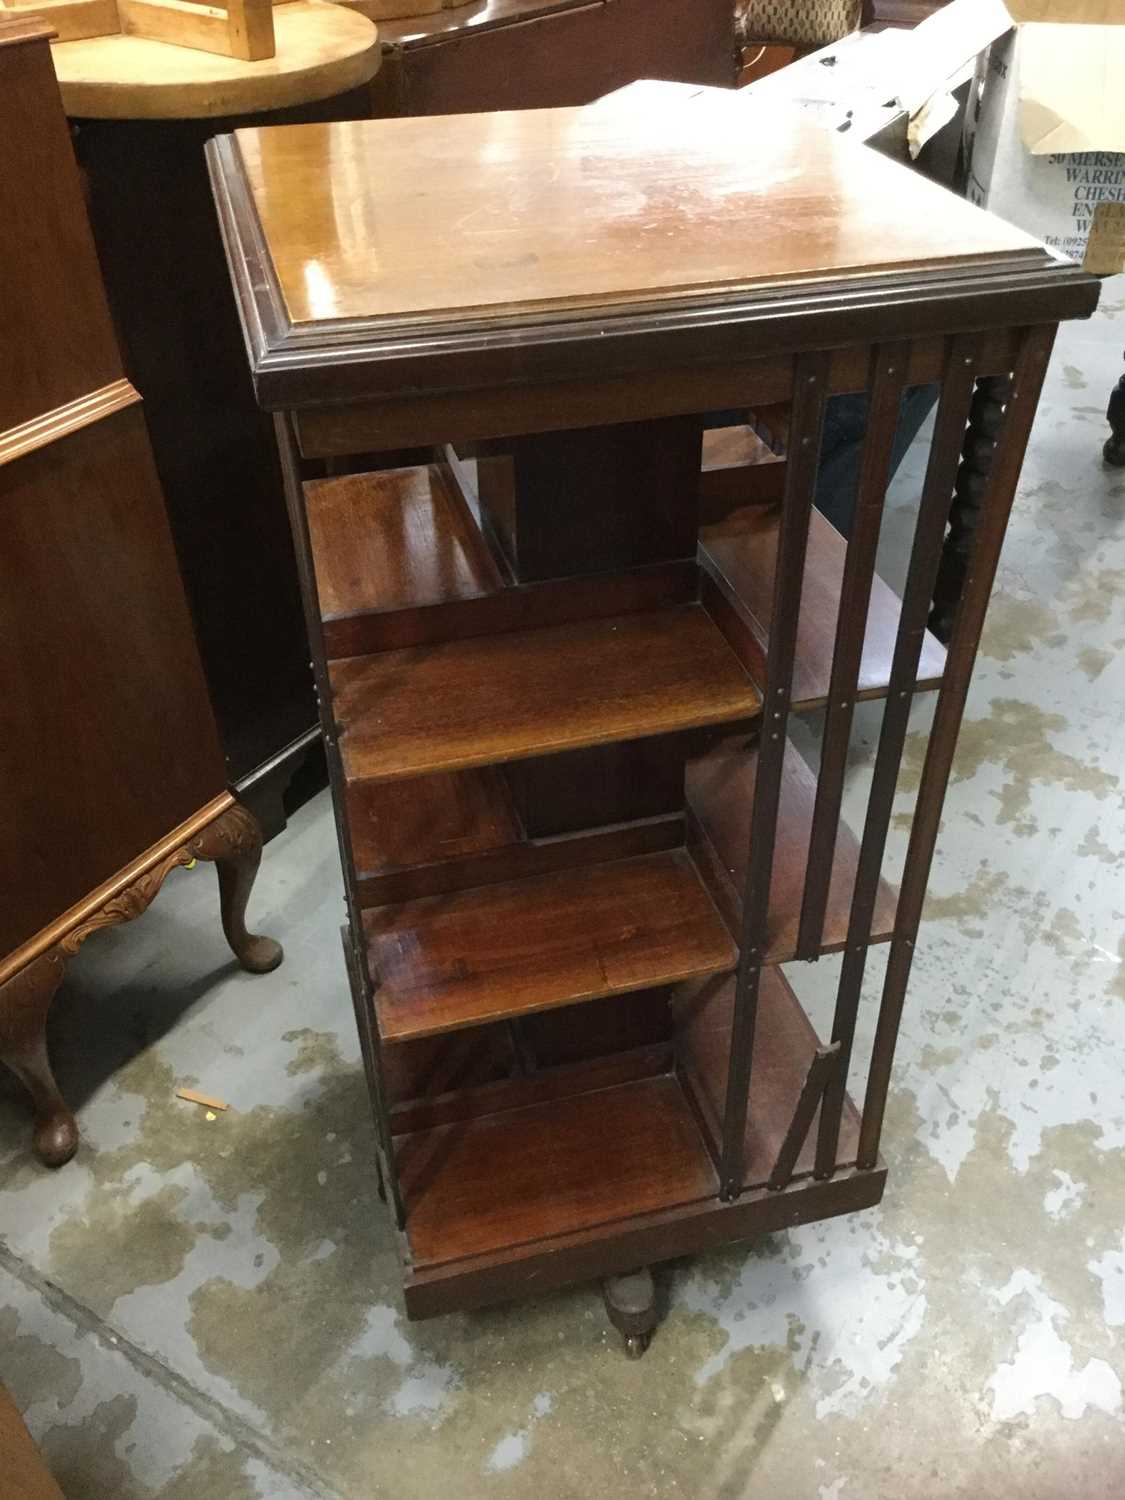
[322, 49]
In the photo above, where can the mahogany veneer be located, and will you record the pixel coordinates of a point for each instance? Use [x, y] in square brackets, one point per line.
[577, 840]
[551, 1169]
[111, 773]
[720, 796]
[500, 698]
[505, 950]
[740, 553]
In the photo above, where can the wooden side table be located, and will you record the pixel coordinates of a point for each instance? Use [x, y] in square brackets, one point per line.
[110, 768]
[579, 846]
[143, 111]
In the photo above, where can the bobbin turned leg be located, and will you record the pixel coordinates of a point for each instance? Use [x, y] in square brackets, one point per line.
[985, 420]
[24, 1003]
[1114, 449]
[630, 1302]
[234, 842]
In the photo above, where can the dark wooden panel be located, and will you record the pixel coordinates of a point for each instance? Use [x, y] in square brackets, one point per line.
[587, 500]
[720, 793]
[169, 290]
[741, 554]
[523, 607]
[437, 1068]
[428, 819]
[602, 1028]
[517, 1090]
[560, 794]
[499, 698]
[619, 1246]
[506, 950]
[552, 1169]
[106, 734]
[57, 342]
[396, 420]
[520, 860]
[524, 54]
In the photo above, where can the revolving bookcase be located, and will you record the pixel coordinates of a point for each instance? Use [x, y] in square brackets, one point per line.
[560, 630]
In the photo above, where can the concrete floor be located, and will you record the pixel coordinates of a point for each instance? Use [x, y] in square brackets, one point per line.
[210, 1308]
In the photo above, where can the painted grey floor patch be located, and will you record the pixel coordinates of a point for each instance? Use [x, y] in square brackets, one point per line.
[963, 1341]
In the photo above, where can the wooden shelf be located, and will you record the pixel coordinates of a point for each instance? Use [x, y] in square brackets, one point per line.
[740, 553]
[720, 794]
[501, 951]
[784, 1044]
[489, 1185]
[491, 699]
[397, 539]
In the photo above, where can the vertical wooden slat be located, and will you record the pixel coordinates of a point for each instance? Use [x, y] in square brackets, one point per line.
[929, 532]
[806, 431]
[888, 383]
[361, 986]
[1031, 368]
[812, 1090]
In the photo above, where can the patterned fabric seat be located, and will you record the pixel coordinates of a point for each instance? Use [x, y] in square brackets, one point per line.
[800, 23]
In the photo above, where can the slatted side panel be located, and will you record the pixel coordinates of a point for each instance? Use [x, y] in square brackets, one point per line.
[1030, 369]
[805, 435]
[952, 418]
[884, 402]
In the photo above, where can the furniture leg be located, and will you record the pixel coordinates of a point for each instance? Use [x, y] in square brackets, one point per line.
[1114, 449]
[234, 843]
[630, 1302]
[985, 419]
[24, 1002]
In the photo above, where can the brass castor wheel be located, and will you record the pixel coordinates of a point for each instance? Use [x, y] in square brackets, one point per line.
[630, 1302]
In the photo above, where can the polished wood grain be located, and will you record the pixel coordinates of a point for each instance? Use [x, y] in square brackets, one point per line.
[619, 1246]
[429, 819]
[469, 1098]
[734, 447]
[321, 50]
[39, 431]
[720, 792]
[520, 860]
[392, 540]
[551, 1169]
[784, 1046]
[500, 698]
[399, 420]
[51, 299]
[507, 950]
[818, 206]
[741, 554]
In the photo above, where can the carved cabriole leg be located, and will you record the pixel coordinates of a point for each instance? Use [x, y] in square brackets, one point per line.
[24, 1002]
[985, 419]
[1115, 446]
[234, 842]
[630, 1302]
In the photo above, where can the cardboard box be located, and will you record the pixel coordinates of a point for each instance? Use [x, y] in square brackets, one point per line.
[1046, 127]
